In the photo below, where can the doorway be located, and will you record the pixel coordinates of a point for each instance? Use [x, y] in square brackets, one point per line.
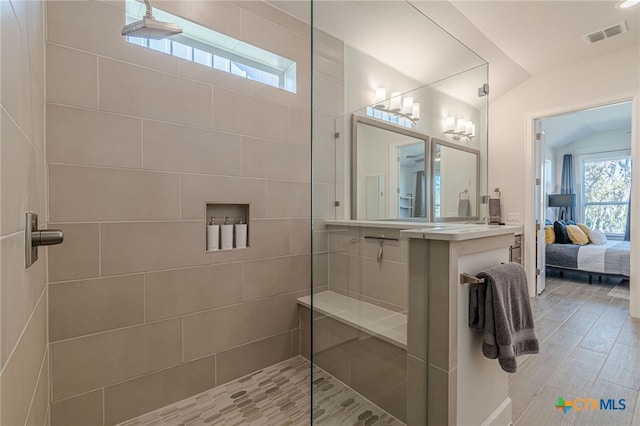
[582, 166]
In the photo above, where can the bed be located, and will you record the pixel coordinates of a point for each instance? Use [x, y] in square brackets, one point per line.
[611, 258]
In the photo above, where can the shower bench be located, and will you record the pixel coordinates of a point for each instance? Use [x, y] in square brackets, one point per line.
[361, 344]
[380, 322]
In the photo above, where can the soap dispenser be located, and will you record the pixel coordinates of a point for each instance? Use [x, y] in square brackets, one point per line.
[213, 235]
[241, 234]
[226, 235]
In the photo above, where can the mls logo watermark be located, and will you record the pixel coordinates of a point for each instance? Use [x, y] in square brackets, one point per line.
[590, 404]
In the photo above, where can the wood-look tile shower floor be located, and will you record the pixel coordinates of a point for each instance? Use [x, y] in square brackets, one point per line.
[277, 395]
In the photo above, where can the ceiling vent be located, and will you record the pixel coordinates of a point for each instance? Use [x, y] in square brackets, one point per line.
[611, 31]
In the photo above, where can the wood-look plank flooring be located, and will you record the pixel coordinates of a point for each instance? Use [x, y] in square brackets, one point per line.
[589, 348]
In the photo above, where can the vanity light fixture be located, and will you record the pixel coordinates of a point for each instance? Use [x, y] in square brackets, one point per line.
[396, 106]
[625, 4]
[459, 128]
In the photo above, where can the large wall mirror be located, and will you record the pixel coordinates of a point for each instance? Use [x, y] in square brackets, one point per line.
[455, 177]
[401, 174]
[390, 171]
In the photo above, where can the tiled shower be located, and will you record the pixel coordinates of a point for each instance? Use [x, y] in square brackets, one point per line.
[123, 148]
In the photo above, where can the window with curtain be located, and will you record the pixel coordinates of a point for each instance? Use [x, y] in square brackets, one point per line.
[606, 185]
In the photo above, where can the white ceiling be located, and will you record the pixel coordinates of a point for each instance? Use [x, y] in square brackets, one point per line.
[568, 128]
[519, 38]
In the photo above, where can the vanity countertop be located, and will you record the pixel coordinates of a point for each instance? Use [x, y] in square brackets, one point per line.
[448, 231]
[395, 224]
[453, 233]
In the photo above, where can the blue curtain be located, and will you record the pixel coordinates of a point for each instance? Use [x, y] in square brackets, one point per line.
[566, 186]
[419, 201]
[627, 230]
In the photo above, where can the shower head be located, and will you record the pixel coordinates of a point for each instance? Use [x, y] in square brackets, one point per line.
[148, 27]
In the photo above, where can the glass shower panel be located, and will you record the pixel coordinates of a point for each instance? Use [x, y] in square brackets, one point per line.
[372, 151]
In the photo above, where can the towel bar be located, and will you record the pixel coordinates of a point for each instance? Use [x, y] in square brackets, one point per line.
[369, 237]
[470, 279]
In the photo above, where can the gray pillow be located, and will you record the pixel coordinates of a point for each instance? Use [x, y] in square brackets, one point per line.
[597, 237]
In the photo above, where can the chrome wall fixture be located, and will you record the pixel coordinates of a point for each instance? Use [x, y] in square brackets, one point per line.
[33, 238]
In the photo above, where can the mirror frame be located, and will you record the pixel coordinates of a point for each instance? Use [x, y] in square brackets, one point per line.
[432, 209]
[359, 119]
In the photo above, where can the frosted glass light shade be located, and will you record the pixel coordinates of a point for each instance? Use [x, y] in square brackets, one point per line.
[415, 113]
[450, 124]
[395, 101]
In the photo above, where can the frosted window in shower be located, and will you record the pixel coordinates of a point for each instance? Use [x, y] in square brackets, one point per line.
[215, 50]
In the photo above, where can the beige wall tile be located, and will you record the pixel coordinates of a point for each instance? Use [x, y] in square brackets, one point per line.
[245, 359]
[138, 396]
[133, 90]
[305, 344]
[78, 256]
[283, 312]
[197, 190]
[275, 160]
[247, 115]
[299, 26]
[417, 317]
[83, 410]
[72, 77]
[90, 194]
[265, 11]
[83, 307]
[214, 331]
[21, 371]
[416, 391]
[288, 199]
[18, 78]
[110, 357]
[320, 271]
[40, 404]
[262, 32]
[385, 281]
[188, 149]
[334, 360]
[271, 277]
[221, 16]
[80, 136]
[324, 165]
[323, 201]
[295, 342]
[300, 126]
[267, 238]
[339, 275]
[148, 246]
[438, 308]
[373, 351]
[438, 396]
[22, 178]
[184, 291]
[383, 390]
[38, 116]
[12, 46]
[20, 290]
[305, 318]
[35, 17]
[300, 236]
[75, 25]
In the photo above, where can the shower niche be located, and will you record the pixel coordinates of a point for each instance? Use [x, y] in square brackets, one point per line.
[226, 226]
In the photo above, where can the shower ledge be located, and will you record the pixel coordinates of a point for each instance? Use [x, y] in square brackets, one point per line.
[383, 323]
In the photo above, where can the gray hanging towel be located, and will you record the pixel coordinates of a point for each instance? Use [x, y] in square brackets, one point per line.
[500, 309]
[418, 201]
[495, 215]
[464, 208]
